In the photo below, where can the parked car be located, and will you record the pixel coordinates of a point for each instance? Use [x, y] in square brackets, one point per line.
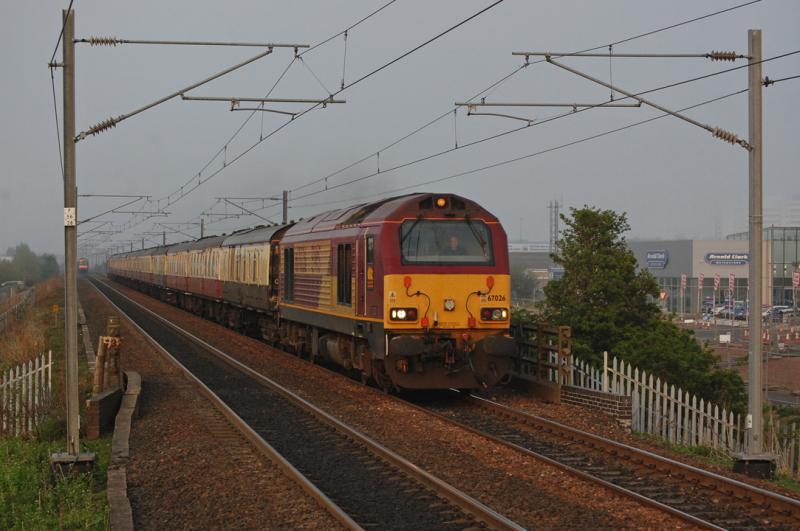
[775, 313]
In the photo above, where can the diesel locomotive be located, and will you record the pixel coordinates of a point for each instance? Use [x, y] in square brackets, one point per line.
[412, 292]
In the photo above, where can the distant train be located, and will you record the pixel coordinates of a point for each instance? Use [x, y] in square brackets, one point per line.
[83, 265]
[412, 291]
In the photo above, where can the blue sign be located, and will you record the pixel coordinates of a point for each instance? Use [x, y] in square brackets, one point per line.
[657, 259]
[729, 259]
[556, 272]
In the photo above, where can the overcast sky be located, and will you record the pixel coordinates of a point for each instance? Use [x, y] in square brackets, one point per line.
[673, 179]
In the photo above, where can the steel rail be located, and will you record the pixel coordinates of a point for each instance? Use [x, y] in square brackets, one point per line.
[572, 470]
[745, 490]
[255, 439]
[453, 495]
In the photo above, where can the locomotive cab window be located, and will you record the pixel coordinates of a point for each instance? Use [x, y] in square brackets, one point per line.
[344, 273]
[288, 274]
[435, 242]
[370, 245]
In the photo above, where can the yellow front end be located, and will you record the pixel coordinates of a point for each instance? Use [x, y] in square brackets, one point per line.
[431, 295]
[447, 330]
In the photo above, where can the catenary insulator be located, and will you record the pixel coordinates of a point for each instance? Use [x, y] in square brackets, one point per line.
[103, 41]
[99, 128]
[722, 56]
[727, 136]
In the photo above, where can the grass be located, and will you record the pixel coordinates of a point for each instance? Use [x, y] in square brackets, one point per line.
[715, 457]
[787, 482]
[31, 499]
[705, 454]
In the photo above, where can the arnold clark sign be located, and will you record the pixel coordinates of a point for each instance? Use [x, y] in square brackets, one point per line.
[729, 259]
[657, 259]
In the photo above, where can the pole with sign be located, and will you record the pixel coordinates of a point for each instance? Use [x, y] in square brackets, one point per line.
[683, 294]
[700, 280]
[716, 289]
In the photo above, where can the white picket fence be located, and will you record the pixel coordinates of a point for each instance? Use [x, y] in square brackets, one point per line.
[25, 392]
[661, 409]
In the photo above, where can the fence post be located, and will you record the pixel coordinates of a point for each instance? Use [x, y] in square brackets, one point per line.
[672, 427]
[651, 414]
[2, 402]
[605, 371]
[28, 398]
[628, 381]
[694, 438]
[18, 388]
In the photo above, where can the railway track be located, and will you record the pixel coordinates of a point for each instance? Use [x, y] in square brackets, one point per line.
[698, 496]
[702, 498]
[361, 483]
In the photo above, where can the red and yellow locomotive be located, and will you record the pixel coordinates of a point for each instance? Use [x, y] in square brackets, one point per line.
[411, 291]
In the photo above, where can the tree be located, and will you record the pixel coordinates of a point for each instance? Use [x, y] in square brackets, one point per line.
[522, 285]
[610, 307]
[26, 263]
[601, 295]
[48, 266]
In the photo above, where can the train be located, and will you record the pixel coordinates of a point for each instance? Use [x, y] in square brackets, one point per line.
[83, 265]
[410, 292]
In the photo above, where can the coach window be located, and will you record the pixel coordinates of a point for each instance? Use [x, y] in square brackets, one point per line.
[344, 273]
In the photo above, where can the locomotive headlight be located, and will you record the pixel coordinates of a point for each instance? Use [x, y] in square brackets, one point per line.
[449, 304]
[494, 314]
[403, 314]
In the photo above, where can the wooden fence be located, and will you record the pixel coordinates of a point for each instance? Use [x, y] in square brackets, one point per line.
[544, 352]
[16, 306]
[25, 393]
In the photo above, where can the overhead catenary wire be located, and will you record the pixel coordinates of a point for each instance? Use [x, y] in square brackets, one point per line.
[58, 128]
[280, 78]
[200, 181]
[490, 88]
[502, 80]
[359, 80]
[190, 185]
[524, 157]
[531, 124]
[52, 65]
[60, 34]
[767, 81]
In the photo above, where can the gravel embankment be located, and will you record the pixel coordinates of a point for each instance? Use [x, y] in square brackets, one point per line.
[189, 468]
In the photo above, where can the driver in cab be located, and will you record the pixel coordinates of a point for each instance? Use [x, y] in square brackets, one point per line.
[453, 247]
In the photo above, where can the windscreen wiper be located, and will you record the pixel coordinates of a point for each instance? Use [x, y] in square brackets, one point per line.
[410, 230]
[475, 233]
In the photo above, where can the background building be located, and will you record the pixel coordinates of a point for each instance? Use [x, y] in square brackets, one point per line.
[669, 260]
